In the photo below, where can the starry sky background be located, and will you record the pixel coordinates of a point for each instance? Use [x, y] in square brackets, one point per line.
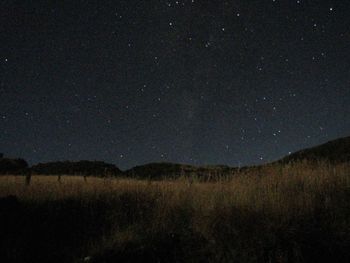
[194, 81]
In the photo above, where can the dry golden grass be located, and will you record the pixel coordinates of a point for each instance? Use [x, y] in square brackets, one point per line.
[257, 215]
[272, 187]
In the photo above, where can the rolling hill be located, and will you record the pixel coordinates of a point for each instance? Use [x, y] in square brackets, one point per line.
[335, 151]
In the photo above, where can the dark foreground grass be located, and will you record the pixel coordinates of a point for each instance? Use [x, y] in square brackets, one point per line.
[296, 213]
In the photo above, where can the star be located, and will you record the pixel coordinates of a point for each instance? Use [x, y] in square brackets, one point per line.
[201, 81]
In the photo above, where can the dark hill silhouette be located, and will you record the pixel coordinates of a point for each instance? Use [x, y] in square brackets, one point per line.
[336, 151]
[13, 166]
[87, 168]
[173, 170]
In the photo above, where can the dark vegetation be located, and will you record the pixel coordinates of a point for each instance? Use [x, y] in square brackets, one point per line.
[174, 170]
[295, 210]
[13, 166]
[287, 214]
[49, 231]
[88, 168]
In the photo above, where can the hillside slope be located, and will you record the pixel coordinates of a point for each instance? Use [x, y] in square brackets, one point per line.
[336, 151]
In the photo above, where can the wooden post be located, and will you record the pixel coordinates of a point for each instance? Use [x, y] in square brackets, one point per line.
[28, 177]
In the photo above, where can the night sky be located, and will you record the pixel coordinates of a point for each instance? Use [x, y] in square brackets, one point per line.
[201, 82]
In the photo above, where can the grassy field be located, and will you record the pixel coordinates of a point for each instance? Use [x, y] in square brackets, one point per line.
[290, 213]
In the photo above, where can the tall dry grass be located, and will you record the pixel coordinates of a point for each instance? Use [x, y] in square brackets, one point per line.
[279, 213]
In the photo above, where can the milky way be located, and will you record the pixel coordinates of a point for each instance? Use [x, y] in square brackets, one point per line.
[198, 82]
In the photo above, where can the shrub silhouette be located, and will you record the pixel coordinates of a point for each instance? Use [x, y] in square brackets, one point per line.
[13, 166]
[86, 168]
